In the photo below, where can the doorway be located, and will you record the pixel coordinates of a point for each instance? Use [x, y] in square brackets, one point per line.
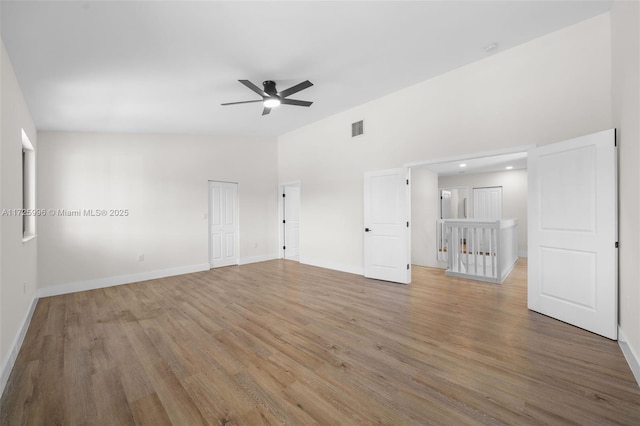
[571, 218]
[453, 204]
[224, 227]
[481, 176]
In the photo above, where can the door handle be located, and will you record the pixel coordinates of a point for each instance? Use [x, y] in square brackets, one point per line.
[367, 230]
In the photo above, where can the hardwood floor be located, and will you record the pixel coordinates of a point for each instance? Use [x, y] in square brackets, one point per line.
[283, 343]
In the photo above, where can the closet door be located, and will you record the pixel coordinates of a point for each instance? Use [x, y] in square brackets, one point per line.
[487, 203]
[223, 224]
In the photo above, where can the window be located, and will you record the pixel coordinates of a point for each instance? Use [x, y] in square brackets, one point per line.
[28, 188]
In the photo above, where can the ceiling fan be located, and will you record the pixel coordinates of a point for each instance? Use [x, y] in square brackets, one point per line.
[271, 98]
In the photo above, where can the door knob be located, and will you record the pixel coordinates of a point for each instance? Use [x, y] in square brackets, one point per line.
[367, 230]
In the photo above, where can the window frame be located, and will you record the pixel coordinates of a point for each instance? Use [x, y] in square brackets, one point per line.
[28, 181]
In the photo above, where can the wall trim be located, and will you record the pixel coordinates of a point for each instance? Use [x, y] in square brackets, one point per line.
[15, 347]
[76, 286]
[256, 259]
[632, 358]
[333, 266]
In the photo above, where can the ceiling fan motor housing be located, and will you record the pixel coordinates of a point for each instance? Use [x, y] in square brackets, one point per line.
[270, 87]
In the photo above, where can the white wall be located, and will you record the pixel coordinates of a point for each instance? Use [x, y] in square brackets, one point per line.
[514, 195]
[625, 40]
[18, 272]
[162, 181]
[3, 355]
[550, 89]
[424, 214]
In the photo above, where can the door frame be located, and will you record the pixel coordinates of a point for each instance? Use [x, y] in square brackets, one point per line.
[236, 219]
[281, 187]
[462, 158]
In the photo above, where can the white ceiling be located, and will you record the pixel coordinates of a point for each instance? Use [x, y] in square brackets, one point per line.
[165, 67]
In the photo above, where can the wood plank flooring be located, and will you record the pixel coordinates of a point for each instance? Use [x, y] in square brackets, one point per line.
[282, 343]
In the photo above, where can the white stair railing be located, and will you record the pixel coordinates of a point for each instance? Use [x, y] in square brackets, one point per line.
[483, 250]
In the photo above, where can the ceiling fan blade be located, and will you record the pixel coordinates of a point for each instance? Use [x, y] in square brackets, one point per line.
[295, 89]
[266, 111]
[253, 87]
[296, 102]
[242, 102]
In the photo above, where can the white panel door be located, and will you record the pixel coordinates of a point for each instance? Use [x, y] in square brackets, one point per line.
[223, 224]
[573, 232]
[386, 236]
[487, 203]
[291, 218]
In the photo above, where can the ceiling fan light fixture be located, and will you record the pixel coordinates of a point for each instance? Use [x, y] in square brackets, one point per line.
[271, 102]
[271, 97]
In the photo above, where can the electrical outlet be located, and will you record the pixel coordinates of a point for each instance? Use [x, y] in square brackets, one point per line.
[141, 257]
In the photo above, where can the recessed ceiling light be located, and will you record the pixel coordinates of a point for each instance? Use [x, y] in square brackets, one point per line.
[463, 165]
[509, 167]
[491, 47]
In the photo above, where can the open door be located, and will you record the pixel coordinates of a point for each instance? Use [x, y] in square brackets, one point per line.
[573, 232]
[386, 234]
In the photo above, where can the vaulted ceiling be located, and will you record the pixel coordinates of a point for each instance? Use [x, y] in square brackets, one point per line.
[165, 67]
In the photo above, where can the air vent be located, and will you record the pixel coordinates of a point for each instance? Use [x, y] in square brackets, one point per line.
[357, 128]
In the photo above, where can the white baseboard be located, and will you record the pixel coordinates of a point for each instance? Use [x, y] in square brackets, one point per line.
[15, 347]
[522, 253]
[119, 280]
[335, 266]
[632, 358]
[256, 259]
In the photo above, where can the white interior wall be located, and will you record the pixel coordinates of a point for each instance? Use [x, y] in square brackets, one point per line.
[163, 182]
[550, 89]
[18, 270]
[3, 355]
[514, 195]
[424, 214]
[625, 38]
